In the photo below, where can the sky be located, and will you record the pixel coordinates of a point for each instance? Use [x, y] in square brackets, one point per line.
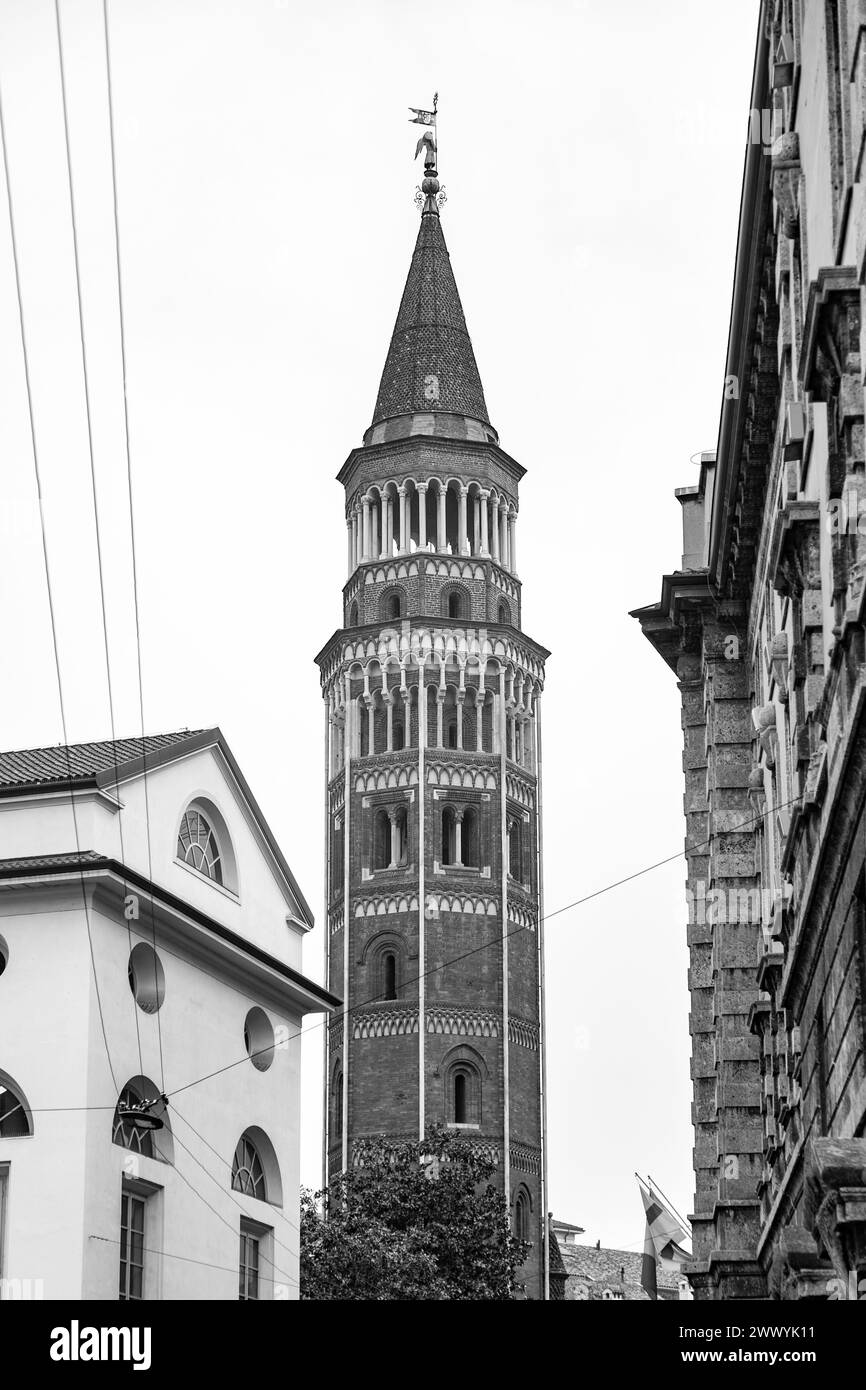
[592, 156]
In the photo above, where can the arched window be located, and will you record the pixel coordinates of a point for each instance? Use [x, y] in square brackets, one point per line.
[399, 837]
[353, 615]
[398, 735]
[338, 1103]
[515, 849]
[14, 1115]
[392, 605]
[389, 837]
[504, 614]
[521, 1215]
[450, 730]
[455, 604]
[248, 1174]
[469, 851]
[197, 846]
[460, 1105]
[464, 1093]
[389, 973]
[126, 1134]
[449, 836]
[381, 840]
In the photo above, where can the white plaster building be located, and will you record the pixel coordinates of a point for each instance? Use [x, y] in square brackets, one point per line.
[150, 936]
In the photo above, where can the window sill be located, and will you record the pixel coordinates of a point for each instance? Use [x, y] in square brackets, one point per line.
[211, 882]
[396, 869]
[453, 1124]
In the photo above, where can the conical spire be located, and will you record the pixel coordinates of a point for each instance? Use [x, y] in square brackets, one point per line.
[430, 370]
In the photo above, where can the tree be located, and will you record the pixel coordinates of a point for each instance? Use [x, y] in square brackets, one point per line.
[410, 1221]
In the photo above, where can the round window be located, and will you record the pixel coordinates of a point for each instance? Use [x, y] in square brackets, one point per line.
[146, 978]
[259, 1039]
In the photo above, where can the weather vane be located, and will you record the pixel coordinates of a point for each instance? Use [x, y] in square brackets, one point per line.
[429, 194]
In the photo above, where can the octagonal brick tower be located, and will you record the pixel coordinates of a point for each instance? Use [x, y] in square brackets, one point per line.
[433, 765]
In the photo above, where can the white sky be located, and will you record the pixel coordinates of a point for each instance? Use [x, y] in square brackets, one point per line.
[592, 154]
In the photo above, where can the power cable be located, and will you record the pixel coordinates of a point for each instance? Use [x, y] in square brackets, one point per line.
[96, 519]
[38, 477]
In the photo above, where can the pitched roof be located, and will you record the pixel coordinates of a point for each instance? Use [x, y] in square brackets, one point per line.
[430, 339]
[80, 762]
[101, 764]
[617, 1270]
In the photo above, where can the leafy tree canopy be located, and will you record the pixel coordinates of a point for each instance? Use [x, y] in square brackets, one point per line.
[410, 1221]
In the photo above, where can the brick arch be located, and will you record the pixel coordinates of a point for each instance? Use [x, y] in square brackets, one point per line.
[386, 603]
[464, 1072]
[462, 593]
[374, 956]
[465, 1052]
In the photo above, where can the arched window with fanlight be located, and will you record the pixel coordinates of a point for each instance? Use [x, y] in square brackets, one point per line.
[141, 1093]
[15, 1116]
[197, 845]
[248, 1173]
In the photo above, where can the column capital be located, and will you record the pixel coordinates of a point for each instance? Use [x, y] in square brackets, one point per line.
[421, 487]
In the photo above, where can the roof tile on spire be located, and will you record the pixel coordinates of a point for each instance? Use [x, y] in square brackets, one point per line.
[431, 367]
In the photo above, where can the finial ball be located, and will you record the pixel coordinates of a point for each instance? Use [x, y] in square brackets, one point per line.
[430, 186]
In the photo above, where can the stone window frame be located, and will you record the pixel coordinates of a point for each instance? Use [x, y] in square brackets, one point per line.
[379, 946]
[463, 1060]
[384, 801]
[461, 799]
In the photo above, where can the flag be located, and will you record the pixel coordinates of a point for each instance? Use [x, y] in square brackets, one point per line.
[662, 1240]
[422, 117]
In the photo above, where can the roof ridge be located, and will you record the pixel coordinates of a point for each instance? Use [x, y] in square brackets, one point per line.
[100, 742]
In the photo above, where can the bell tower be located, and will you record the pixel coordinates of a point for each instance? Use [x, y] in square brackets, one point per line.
[433, 764]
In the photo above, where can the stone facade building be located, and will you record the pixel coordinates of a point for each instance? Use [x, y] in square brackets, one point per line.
[433, 767]
[763, 625]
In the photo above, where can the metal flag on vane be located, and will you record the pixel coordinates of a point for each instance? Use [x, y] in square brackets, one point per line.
[427, 141]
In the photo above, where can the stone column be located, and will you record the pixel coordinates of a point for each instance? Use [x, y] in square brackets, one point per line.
[512, 542]
[389, 726]
[388, 546]
[494, 532]
[458, 837]
[422, 516]
[440, 521]
[440, 706]
[462, 536]
[393, 817]
[460, 698]
[485, 547]
[503, 535]
[403, 547]
[366, 547]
